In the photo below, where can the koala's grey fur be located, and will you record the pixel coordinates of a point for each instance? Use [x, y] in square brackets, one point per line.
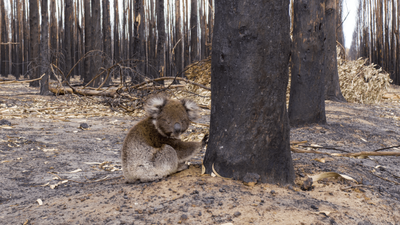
[152, 149]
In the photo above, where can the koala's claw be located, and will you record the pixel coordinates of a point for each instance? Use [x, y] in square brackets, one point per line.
[205, 140]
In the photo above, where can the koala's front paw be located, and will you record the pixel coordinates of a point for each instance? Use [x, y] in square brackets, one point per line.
[205, 140]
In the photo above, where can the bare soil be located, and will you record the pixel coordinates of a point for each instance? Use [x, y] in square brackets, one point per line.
[54, 172]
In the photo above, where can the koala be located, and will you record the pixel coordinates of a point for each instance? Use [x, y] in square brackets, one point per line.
[153, 149]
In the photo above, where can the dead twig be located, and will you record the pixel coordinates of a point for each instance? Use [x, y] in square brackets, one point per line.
[297, 142]
[100, 180]
[396, 146]
[297, 150]
[201, 124]
[386, 179]
[324, 147]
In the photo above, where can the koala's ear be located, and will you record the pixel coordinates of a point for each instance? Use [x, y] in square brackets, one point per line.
[191, 108]
[154, 105]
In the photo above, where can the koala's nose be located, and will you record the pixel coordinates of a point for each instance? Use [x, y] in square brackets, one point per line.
[177, 128]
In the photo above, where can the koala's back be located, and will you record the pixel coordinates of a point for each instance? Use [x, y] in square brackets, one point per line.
[145, 157]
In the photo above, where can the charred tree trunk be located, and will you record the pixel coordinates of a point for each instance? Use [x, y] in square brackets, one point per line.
[339, 22]
[68, 37]
[44, 50]
[332, 86]
[11, 47]
[53, 34]
[249, 133]
[95, 32]
[194, 55]
[179, 39]
[17, 38]
[88, 42]
[116, 33]
[139, 40]
[160, 55]
[307, 98]
[23, 36]
[34, 41]
[107, 36]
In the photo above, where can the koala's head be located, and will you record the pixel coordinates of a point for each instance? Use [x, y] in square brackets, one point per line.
[171, 117]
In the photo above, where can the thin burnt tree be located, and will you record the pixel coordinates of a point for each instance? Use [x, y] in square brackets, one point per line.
[107, 36]
[44, 49]
[249, 128]
[97, 37]
[332, 85]
[307, 99]
[68, 36]
[160, 60]
[34, 41]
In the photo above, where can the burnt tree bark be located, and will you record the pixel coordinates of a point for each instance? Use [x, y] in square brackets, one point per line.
[249, 133]
[44, 50]
[139, 40]
[332, 86]
[17, 38]
[194, 55]
[160, 54]
[34, 41]
[307, 99]
[97, 37]
[116, 33]
[54, 57]
[68, 38]
[107, 36]
[88, 41]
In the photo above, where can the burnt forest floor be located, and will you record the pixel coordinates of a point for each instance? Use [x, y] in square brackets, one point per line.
[53, 170]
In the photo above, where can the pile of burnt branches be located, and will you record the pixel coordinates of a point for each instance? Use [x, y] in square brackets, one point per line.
[122, 84]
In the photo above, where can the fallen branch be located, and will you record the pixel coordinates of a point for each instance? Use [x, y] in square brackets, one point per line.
[297, 150]
[297, 142]
[357, 154]
[85, 92]
[21, 81]
[370, 154]
[324, 147]
[170, 78]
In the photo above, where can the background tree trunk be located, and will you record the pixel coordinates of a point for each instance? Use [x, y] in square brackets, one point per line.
[44, 50]
[249, 133]
[307, 97]
[332, 86]
[107, 36]
[53, 34]
[68, 38]
[17, 53]
[339, 22]
[139, 42]
[160, 57]
[116, 33]
[34, 41]
[88, 42]
[97, 37]
[194, 56]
